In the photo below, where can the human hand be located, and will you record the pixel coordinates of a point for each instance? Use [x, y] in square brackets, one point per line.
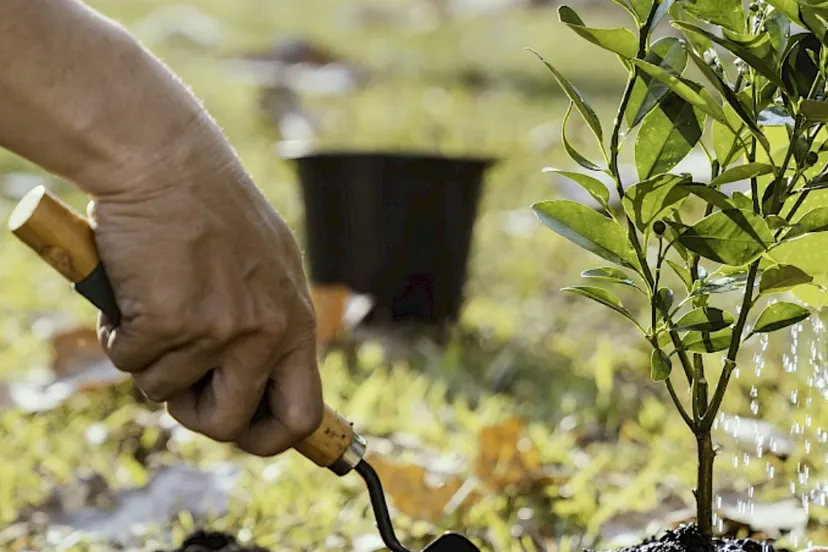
[208, 276]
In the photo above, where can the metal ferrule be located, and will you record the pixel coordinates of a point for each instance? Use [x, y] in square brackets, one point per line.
[351, 457]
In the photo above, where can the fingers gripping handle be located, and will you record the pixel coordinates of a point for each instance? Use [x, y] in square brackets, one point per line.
[65, 240]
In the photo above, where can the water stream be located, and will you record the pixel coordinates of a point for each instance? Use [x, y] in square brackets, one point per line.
[801, 432]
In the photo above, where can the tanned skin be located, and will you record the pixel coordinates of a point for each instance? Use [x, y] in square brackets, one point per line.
[206, 273]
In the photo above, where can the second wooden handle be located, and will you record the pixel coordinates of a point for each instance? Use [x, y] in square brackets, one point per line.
[65, 240]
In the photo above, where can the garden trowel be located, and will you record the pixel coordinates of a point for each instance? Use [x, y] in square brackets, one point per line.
[65, 240]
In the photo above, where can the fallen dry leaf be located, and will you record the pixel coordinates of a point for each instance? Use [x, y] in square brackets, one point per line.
[507, 456]
[417, 492]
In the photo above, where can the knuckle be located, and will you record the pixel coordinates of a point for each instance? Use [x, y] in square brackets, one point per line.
[274, 327]
[226, 430]
[222, 328]
[302, 419]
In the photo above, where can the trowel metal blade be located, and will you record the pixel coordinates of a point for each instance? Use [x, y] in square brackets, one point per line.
[451, 542]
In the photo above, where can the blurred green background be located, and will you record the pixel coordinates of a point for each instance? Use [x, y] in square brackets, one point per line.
[612, 460]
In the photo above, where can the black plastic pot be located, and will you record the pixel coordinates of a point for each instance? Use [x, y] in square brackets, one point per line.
[395, 226]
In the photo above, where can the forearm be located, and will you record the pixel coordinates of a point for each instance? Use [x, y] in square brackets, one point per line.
[82, 99]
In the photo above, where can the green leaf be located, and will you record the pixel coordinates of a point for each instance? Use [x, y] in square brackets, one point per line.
[642, 8]
[610, 274]
[778, 27]
[576, 98]
[782, 277]
[710, 195]
[620, 41]
[670, 54]
[725, 284]
[777, 316]
[813, 22]
[798, 67]
[732, 100]
[775, 222]
[741, 201]
[691, 92]
[733, 237]
[814, 110]
[574, 154]
[726, 13]
[667, 135]
[757, 44]
[660, 365]
[662, 9]
[671, 237]
[682, 273]
[589, 229]
[761, 65]
[819, 182]
[725, 144]
[815, 220]
[699, 43]
[593, 186]
[819, 6]
[606, 298]
[704, 342]
[787, 7]
[705, 319]
[742, 172]
[647, 201]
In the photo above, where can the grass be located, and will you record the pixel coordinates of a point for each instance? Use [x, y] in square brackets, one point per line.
[523, 347]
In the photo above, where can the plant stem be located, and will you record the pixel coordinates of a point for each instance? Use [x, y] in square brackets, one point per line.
[735, 342]
[704, 489]
[699, 388]
[643, 41]
[684, 416]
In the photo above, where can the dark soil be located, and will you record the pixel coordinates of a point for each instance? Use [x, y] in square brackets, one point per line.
[208, 541]
[688, 538]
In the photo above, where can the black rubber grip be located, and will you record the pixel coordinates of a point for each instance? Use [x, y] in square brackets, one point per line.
[97, 289]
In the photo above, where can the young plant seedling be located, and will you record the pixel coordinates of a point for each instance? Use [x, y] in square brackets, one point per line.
[758, 116]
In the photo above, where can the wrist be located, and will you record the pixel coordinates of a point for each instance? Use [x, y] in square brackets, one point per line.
[189, 150]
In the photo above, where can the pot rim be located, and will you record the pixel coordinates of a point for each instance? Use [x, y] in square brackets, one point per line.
[487, 161]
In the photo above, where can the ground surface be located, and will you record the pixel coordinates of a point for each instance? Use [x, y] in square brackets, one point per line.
[607, 461]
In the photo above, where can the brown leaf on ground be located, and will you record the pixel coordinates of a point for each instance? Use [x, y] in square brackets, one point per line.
[418, 493]
[507, 457]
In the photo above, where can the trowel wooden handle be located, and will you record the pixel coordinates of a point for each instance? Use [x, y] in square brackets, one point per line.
[65, 240]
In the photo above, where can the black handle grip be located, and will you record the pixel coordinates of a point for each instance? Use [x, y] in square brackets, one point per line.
[98, 291]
